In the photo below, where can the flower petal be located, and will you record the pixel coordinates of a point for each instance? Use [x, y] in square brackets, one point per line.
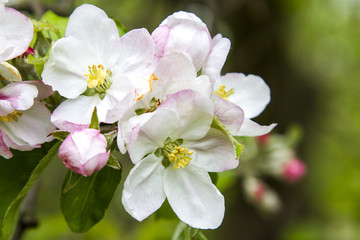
[69, 60]
[147, 137]
[215, 152]
[143, 191]
[16, 30]
[189, 34]
[4, 148]
[98, 32]
[137, 60]
[118, 100]
[217, 57]
[16, 96]
[176, 72]
[193, 197]
[230, 114]
[194, 113]
[77, 111]
[32, 128]
[251, 92]
[251, 129]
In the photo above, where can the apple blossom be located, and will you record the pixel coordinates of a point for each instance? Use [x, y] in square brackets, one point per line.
[183, 31]
[24, 121]
[251, 94]
[174, 72]
[173, 151]
[93, 66]
[16, 33]
[84, 151]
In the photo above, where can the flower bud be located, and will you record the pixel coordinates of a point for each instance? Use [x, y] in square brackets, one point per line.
[84, 151]
[263, 139]
[261, 195]
[293, 170]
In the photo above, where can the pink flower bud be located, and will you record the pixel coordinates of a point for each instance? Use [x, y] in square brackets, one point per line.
[84, 151]
[263, 139]
[293, 170]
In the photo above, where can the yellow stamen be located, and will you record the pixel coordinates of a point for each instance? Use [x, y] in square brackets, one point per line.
[14, 116]
[96, 76]
[180, 157]
[221, 92]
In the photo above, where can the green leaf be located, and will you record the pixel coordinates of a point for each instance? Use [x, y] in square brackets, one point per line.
[12, 213]
[94, 120]
[74, 179]
[84, 205]
[60, 135]
[113, 162]
[55, 20]
[217, 124]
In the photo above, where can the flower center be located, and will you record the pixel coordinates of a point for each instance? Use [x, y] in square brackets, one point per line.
[221, 92]
[180, 157]
[175, 154]
[98, 78]
[14, 116]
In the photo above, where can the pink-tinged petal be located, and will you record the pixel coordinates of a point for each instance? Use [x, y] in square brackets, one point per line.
[231, 115]
[189, 34]
[143, 191]
[4, 148]
[16, 31]
[125, 126]
[217, 57]
[193, 197]
[69, 60]
[84, 152]
[16, 96]
[77, 111]
[215, 152]
[138, 59]
[44, 90]
[252, 129]
[176, 72]
[118, 100]
[250, 92]
[194, 113]
[174, 68]
[31, 128]
[147, 137]
[160, 36]
[98, 32]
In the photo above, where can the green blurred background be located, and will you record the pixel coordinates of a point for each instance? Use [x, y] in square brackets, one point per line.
[308, 52]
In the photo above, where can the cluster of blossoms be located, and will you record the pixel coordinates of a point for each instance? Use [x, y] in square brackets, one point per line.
[161, 94]
[24, 120]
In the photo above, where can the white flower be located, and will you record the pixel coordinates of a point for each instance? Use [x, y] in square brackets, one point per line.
[16, 33]
[173, 151]
[174, 72]
[24, 121]
[93, 66]
[251, 94]
[84, 151]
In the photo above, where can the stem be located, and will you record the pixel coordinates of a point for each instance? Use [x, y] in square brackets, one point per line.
[27, 217]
